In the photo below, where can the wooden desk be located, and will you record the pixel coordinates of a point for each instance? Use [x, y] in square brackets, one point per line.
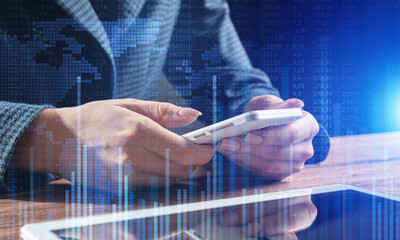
[368, 161]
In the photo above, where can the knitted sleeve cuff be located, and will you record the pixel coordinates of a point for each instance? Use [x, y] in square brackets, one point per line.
[14, 119]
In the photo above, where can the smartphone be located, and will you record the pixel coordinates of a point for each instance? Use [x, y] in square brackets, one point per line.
[242, 124]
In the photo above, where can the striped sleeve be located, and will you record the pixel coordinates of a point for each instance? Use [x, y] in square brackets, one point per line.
[14, 119]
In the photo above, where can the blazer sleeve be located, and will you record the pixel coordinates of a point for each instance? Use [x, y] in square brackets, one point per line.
[215, 65]
[218, 72]
[14, 119]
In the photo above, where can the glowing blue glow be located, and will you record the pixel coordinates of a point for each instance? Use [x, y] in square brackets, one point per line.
[397, 111]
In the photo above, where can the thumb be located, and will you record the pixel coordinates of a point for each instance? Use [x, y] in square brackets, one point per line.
[272, 102]
[290, 103]
[166, 114]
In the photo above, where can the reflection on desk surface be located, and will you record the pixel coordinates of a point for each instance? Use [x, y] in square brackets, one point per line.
[335, 215]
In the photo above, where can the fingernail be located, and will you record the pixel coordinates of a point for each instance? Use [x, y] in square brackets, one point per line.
[229, 218]
[254, 138]
[188, 113]
[293, 235]
[231, 145]
[295, 103]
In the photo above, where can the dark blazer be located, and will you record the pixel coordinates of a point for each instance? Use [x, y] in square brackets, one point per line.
[58, 53]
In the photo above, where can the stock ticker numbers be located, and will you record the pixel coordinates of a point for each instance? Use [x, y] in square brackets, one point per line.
[340, 57]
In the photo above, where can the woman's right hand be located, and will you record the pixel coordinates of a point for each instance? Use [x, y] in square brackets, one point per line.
[116, 135]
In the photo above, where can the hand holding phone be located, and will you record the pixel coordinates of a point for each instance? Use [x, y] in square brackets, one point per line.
[242, 124]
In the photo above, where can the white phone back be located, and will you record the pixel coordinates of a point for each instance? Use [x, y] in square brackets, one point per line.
[242, 124]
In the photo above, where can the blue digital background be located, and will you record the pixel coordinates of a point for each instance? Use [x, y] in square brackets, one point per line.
[348, 51]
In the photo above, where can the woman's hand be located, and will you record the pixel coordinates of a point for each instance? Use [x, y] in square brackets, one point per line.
[276, 152]
[103, 138]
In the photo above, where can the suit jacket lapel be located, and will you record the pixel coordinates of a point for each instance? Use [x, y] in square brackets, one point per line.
[83, 11]
[132, 8]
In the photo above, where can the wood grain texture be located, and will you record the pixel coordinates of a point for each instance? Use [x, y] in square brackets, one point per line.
[368, 161]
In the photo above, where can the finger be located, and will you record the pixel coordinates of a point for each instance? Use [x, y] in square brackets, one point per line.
[299, 152]
[233, 216]
[167, 144]
[228, 145]
[276, 170]
[292, 219]
[166, 114]
[262, 102]
[254, 138]
[290, 103]
[293, 132]
[271, 169]
[272, 102]
[153, 164]
[142, 132]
